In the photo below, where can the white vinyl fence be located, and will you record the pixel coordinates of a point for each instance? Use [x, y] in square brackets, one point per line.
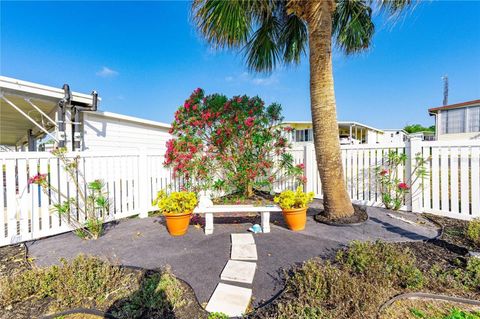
[452, 187]
[131, 182]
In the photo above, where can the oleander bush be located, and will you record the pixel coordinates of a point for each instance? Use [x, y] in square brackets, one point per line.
[229, 145]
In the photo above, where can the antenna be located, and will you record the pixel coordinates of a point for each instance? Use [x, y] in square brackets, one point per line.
[445, 89]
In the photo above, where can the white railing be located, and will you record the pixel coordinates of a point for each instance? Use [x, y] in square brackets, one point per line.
[452, 187]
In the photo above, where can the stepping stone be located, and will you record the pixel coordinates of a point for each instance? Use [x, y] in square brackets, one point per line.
[242, 239]
[240, 271]
[231, 300]
[244, 252]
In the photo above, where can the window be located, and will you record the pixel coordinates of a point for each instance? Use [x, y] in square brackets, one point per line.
[303, 135]
[474, 119]
[453, 121]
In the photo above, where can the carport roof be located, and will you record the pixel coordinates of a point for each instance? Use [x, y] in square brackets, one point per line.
[13, 124]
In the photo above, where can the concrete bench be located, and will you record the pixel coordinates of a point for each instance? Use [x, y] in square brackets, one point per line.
[217, 209]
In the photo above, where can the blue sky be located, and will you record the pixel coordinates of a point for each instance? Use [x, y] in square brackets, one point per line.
[145, 58]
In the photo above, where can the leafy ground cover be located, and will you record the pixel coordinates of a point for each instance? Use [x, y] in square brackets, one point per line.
[89, 282]
[420, 309]
[365, 275]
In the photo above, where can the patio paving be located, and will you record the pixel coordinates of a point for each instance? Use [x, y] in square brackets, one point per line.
[199, 259]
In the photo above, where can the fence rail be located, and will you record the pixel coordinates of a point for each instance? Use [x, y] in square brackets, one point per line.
[451, 188]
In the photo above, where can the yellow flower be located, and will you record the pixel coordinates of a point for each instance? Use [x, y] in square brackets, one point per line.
[176, 202]
[289, 199]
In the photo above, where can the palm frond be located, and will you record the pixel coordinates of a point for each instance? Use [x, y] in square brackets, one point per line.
[392, 7]
[353, 27]
[224, 23]
[262, 50]
[293, 39]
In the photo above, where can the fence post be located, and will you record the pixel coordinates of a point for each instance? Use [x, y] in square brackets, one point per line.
[305, 169]
[414, 198]
[144, 203]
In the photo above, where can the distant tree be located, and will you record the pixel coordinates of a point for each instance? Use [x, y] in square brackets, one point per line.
[415, 128]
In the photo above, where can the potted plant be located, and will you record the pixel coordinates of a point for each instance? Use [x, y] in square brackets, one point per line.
[177, 207]
[294, 207]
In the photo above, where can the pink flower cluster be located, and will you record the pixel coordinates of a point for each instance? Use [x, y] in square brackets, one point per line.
[384, 172]
[403, 186]
[38, 179]
[249, 121]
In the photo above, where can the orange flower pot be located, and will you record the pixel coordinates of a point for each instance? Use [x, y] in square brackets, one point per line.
[177, 224]
[296, 218]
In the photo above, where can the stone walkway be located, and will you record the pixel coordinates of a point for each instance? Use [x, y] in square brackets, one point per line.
[200, 259]
[229, 299]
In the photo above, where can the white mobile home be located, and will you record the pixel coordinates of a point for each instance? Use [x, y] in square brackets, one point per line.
[394, 136]
[460, 121]
[349, 132]
[37, 117]
[111, 131]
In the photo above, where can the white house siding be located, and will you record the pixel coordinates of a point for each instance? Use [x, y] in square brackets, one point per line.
[105, 133]
[459, 136]
[372, 137]
[393, 136]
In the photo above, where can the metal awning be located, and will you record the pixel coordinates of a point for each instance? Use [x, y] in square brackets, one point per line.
[28, 106]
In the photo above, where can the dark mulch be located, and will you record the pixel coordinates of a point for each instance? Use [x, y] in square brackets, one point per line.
[12, 260]
[359, 216]
[259, 198]
[27, 309]
[432, 253]
[454, 231]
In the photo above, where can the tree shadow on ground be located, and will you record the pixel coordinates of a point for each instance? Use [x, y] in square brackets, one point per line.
[149, 301]
[399, 230]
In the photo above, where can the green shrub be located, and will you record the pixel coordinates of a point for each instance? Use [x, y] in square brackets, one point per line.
[459, 278]
[217, 315]
[473, 231]
[319, 289]
[459, 314]
[71, 284]
[382, 262]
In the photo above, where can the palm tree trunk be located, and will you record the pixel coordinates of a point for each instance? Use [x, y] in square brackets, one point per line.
[324, 115]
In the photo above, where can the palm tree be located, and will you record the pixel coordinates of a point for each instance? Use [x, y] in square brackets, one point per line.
[271, 32]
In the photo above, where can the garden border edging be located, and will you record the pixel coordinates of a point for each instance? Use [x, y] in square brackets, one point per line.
[425, 296]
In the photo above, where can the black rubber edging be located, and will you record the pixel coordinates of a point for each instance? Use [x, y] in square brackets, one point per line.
[426, 296]
[440, 226]
[460, 250]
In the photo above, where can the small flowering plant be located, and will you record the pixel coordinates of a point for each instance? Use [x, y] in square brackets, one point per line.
[88, 200]
[229, 145]
[289, 199]
[392, 188]
[176, 202]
